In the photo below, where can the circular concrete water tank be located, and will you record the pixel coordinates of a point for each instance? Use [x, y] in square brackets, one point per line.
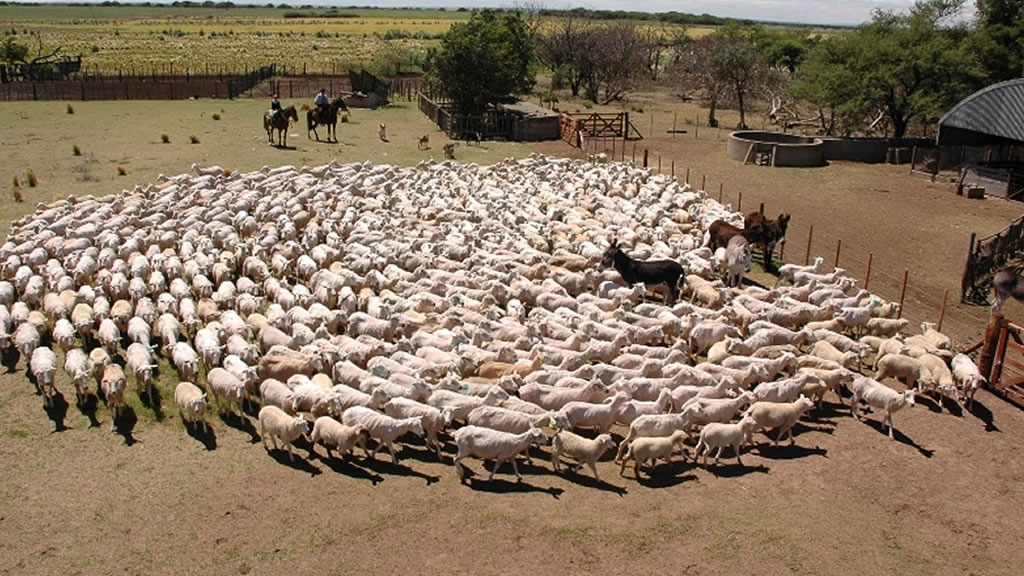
[776, 148]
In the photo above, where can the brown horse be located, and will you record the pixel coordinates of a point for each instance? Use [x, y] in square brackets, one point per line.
[279, 122]
[330, 119]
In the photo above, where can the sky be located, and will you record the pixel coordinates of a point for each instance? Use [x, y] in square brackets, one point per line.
[842, 12]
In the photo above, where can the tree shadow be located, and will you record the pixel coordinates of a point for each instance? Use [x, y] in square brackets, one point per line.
[348, 467]
[125, 423]
[387, 467]
[57, 411]
[280, 455]
[789, 452]
[898, 436]
[982, 412]
[208, 438]
[242, 424]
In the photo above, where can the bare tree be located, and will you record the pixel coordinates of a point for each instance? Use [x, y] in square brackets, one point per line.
[620, 52]
[695, 75]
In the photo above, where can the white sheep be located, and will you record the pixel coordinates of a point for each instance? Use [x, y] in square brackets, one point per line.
[433, 420]
[658, 425]
[191, 401]
[719, 435]
[79, 368]
[381, 427]
[279, 425]
[276, 393]
[968, 378]
[461, 405]
[582, 450]
[554, 397]
[227, 387]
[186, 361]
[112, 385]
[589, 415]
[633, 409]
[781, 416]
[878, 395]
[488, 444]
[651, 448]
[43, 365]
[343, 438]
[903, 368]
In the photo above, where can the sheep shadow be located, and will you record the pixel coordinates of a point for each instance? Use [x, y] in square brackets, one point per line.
[735, 470]
[883, 429]
[982, 412]
[242, 424]
[387, 467]
[156, 405]
[10, 359]
[125, 423]
[348, 467]
[297, 461]
[207, 438]
[57, 411]
[502, 486]
[664, 478]
[582, 478]
[89, 408]
[423, 454]
[789, 452]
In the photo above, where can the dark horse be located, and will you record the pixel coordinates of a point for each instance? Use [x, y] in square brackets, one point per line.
[329, 119]
[1007, 284]
[279, 122]
[651, 272]
[767, 233]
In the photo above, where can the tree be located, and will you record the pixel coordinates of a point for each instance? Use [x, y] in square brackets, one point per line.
[738, 67]
[693, 73]
[998, 39]
[483, 61]
[12, 52]
[618, 54]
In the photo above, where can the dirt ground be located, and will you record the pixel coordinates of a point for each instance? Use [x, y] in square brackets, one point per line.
[944, 498]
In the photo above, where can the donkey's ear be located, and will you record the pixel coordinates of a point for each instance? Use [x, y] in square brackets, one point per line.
[614, 243]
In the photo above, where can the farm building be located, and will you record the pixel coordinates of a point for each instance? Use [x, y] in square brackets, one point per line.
[519, 122]
[988, 128]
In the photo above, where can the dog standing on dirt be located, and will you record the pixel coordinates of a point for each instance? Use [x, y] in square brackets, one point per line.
[449, 151]
[382, 131]
[424, 143]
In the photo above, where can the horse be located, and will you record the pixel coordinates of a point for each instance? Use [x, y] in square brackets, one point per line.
[1007, 283]
[279, 122]
[649, 272]
[721, 232]
[330, 120]
[767, 233]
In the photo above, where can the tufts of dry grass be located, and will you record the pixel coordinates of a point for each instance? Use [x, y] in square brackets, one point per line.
[216, 116]
[75, 150]
[121, 171]
[193, 139]
[71, 109]
[165, 138]
[30, 175]
[16, 191]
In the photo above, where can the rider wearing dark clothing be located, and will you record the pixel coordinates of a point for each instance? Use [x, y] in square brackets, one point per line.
[275, 107]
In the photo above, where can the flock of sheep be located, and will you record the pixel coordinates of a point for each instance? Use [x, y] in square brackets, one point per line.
[449, 301]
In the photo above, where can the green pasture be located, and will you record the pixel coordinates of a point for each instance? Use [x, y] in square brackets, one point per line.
[41, 136]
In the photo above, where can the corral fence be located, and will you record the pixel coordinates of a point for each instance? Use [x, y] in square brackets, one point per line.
[985, 257]
[489, 124]
[577, 129]
[981, 170]
[1001, 358]
[137, 87]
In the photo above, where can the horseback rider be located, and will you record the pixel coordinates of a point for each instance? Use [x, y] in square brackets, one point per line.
[275, 107]
[321, 101]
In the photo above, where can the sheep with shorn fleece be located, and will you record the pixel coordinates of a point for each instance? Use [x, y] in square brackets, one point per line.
[186, 361]
[433, 420]
[589, 415]
[381, 427]
[461, 405]
[488, 444]
[276, 393]
[633, 409]
[878, 395]
[227, 388]
[582, 450]
[344, 397]
[79, 368]
[783, 390]
[645, 448]
[937, 377]
[719, 435]
[279, 425]
[112, 385]
[717, 409]
[781, 416]
[903, 368]
[344, 439]
[658, 425]
[968, 378]
[191, 402]
[554, 397]
[43, 365]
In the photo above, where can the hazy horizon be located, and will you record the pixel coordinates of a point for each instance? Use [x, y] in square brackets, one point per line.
[828, 12]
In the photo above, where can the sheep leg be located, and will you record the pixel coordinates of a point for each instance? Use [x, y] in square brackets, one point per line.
[515, 469]
[493, 469]
[288, 446]
[458, 467]
[394, 457]
[622, 467]
[204, 424]
[888, 417]
[736, 449]
[555, 460]
[624, 446]
[593, 468]
[718, 454]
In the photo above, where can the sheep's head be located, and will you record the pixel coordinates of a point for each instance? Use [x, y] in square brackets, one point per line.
[537, 436]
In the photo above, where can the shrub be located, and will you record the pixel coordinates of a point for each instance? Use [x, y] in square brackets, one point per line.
[75, 150]
[30, 175]
[16, 191]
[344, 117]
[165, 138]
[71, 109]
[216, 116]
[16, 182]
[121, 171]
[193, 139]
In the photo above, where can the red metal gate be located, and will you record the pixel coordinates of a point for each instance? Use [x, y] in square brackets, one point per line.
[1002, 358]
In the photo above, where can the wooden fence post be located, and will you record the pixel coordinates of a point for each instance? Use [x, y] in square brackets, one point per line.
[942, 311]
[634, 152]
[988, 347]
[703, 180]
[810, 236]
[687, 175]
[867, 276]
[659, 163]
[903, 293]
[645, 157]
[739, 201]
[839, 245]
[721, 186]
[968, 277]
[673, 168]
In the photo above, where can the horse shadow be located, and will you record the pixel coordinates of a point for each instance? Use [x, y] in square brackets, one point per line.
[57, 411]
[898, 436]
[242, 424]
[348, 467]
[982, 412]
[207, 438]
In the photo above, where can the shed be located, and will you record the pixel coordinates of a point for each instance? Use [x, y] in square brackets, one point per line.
[988, 127]
[533, 122]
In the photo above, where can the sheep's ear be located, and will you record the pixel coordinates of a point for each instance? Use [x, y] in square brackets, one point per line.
[551, 422]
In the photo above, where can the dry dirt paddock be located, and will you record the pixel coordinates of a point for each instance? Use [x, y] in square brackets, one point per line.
[944, 498]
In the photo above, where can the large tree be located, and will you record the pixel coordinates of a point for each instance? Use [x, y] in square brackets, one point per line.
[483, 61]
[998, 39]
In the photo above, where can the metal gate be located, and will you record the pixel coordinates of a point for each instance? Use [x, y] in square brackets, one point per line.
[1002, 358]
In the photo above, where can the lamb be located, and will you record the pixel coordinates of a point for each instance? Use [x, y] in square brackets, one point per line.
[226, 386]
[600, 416]
[191, 401]
[787, 271]
[880, 396]
[433, 420]
[651, 448]
[514, 422]
[938, 339]
[26, 339]
[79, 368]
[43, 365]
[64, 334]
[718, 435]
[935, 375]
[889, 346]
[112, 385]
[781, 416]
[903, 368]
[832, 380]
[580, 449]
[277, 424]
[382, 427]
[968, 378]
[658, 425]
[488, 444]
[343, 438]
[344, 397]
[109, 335]
[186, 361]
[717, 409]
[826, 351]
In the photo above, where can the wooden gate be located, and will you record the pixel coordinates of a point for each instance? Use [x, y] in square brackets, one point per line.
[1002, 358]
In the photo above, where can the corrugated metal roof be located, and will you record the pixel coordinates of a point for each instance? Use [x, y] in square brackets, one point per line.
[997, 110]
